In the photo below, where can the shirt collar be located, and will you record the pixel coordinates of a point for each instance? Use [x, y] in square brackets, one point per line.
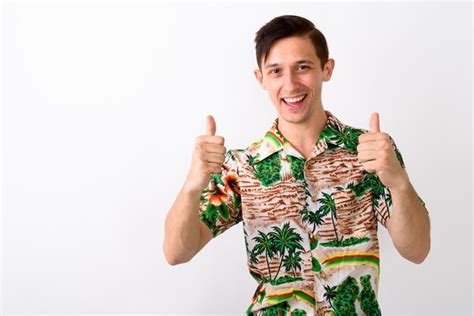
[274, 141]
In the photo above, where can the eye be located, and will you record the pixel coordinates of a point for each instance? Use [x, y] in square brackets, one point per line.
[303, 67]
[275, 71]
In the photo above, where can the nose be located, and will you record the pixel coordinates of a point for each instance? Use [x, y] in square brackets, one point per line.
[290, 81]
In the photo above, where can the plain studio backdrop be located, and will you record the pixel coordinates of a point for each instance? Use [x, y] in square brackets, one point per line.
[101, 107]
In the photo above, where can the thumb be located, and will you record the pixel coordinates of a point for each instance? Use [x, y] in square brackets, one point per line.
[210, 126]
[374, 123]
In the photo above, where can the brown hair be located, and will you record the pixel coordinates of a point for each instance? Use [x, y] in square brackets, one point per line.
[287, 26]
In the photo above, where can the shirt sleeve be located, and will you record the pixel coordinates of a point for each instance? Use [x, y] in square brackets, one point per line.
[382, 197]
[220, 202]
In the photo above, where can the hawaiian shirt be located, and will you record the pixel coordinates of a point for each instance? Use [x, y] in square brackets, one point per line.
[310, 225]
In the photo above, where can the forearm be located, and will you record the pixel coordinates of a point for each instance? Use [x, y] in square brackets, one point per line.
[182, 233]
[409, 224]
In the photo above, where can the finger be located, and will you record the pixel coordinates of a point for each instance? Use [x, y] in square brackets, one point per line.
[369, 145]
[214, 158]
[210, 126]
[210, 139]
[215, 148]
[366, 156]
[374, 123]
[213, 167]
[369, 165]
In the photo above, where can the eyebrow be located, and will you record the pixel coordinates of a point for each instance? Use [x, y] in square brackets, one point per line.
[299, 62]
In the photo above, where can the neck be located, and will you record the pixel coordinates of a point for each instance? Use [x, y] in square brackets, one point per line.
[304, 135]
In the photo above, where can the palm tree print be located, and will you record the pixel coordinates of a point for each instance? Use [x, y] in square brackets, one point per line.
[330, 294]
[275, 244]
[313, 218]
[292, 262]
[328, 205]
[264, 245]
[285, 239]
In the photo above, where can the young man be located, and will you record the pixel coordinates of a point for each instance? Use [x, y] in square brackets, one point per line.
[310, 193]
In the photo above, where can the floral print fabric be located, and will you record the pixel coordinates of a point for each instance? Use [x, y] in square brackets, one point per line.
[310, 225]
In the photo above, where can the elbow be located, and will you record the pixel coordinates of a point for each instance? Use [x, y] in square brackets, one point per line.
[419, 260]
[171, 259]
[421, 256]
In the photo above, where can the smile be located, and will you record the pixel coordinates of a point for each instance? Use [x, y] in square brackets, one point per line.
[294, 101]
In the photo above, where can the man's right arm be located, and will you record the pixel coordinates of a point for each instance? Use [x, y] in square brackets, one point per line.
[185, 233]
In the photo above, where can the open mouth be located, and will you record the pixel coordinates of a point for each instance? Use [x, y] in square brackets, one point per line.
[294, 102]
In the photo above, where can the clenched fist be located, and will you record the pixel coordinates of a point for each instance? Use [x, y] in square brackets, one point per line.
[208, 157]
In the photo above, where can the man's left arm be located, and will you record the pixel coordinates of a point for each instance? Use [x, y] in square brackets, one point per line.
[408, 222]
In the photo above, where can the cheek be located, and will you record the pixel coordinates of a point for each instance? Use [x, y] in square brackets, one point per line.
[311, 82]
[274, 91]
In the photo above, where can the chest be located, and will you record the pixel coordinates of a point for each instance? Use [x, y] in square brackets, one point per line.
[309, 193]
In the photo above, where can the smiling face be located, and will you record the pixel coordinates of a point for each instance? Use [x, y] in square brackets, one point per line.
[293, 77]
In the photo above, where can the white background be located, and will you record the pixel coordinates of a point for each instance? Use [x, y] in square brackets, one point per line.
[101, 106]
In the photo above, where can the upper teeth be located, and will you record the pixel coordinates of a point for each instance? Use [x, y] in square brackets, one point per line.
[295, 99]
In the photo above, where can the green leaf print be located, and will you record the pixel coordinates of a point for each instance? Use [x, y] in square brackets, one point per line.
[297, 166]
[281, 309]
[268, 170]
[316, 266]
[237, 201]
[209, 216]
[345, 136]
[224, 211]
[368, 299]
[346, 295]
[298, 312]
[351, 241]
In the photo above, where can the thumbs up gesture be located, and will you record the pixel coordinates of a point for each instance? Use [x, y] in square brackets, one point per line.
[208, 157]
[377, 154]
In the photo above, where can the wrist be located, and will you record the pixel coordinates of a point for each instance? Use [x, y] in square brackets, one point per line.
[402, 185]
[188, 188]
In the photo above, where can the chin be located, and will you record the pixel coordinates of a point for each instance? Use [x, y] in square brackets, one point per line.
[294, 118]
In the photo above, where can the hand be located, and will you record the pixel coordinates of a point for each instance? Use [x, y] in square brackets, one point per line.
[208, 157]
[377, 154]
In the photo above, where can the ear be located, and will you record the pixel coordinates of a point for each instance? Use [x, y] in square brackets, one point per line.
[259, 76]
[328, 69]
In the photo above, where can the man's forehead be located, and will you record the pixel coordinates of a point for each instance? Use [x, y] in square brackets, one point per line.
[291, 50]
